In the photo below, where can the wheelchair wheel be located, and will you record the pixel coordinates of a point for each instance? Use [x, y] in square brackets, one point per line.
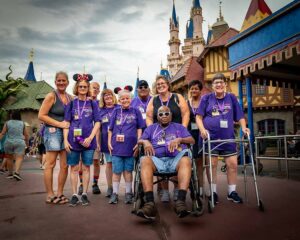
[197, 209]
[209, 206]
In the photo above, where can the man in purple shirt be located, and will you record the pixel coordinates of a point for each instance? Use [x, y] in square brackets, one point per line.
[166, 151]
[216, 114]
[141, 101]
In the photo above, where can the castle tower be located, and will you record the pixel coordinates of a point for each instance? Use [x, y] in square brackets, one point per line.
[220, 26]
[30, 71]
[187, 49]
[174, 58]
[198, 40]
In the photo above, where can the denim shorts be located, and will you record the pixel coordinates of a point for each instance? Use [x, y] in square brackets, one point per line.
[108, 157]
[53, 141]
[169, 164]
[73, 157]
[121, 164]
[14, 147]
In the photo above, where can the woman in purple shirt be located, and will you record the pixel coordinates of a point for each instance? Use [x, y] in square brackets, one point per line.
[108, 102]
[216, 114]
[79, 140]
[125, 128]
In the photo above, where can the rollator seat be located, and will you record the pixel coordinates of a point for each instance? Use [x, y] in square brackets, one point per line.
[158, 174]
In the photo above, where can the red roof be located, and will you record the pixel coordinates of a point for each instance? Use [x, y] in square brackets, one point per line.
[258, 5]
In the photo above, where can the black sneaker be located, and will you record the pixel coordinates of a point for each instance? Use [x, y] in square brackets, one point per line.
[74, 201]
[2, 171]
[96, 189]
[84, 200]
[181, 209]
[80, 190]
[148, 211]
[233, 196]
[113, 198]
[216, 198]
[17, 176]
[128, 198]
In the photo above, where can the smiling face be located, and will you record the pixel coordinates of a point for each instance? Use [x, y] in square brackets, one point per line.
[125, 100]
[143, 91]
[61, 82]
[108, 99]
[164, 115]
[219, 86]
[82, 88]
[94, 90]
[161, 86]
[195, 91]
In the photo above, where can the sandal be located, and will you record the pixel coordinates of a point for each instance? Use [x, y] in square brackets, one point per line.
[51, 200]
[63, 199]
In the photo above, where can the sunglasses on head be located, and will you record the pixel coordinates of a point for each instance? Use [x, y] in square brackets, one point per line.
[164, 114]
[142, 87]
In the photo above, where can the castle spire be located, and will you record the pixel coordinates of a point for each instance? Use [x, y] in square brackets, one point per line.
[174, 17]
[137, 82]
[196, 4]
[221, 18]
[30, 70]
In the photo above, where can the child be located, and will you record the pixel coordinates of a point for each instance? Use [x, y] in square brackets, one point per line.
[125, 129]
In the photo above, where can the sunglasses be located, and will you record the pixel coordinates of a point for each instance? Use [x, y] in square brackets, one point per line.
[142, 87]
[164, 114]
[83, 87]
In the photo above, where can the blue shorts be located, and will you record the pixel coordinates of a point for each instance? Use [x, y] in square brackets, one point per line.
[108, 157]
[53, 139]
[73, 157]
[169, 164]
[121, 164]
[14, 147]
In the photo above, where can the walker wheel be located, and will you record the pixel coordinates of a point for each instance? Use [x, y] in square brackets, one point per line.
[261, 206]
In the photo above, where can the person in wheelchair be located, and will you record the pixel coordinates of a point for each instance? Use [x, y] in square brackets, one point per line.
[165, 151]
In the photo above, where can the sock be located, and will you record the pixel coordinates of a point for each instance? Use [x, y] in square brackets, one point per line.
[214, 187]
[84, 193]
[149, 196]
[181, 195]
[96, 179]
[116, 187]
[128, 187]
[201, 191]
[80, 176]
[231, 188]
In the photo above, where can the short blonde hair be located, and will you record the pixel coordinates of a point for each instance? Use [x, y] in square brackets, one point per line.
[75, 88]
[107, 91]
[154, 90]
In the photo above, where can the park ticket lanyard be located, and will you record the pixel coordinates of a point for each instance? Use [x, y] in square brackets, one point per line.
[162, 103]
[78, 116]
[144, 106]
[155, 134]
[193, 124]
[121, 136]
[221, 108]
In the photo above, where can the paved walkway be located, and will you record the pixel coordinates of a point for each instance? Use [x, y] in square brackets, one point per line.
[24, 214]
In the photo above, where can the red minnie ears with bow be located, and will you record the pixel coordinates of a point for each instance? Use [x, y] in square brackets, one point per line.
[127, 88]
[82, 77]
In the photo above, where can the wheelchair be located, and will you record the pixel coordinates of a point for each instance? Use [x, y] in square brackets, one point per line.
[138, 200]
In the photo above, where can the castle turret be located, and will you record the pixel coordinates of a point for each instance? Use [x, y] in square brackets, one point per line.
[30, 71]
[198, 40]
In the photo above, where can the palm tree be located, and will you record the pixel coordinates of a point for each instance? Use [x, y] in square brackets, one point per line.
[9, 87]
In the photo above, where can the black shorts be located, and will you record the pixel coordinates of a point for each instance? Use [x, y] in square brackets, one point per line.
[41, 149]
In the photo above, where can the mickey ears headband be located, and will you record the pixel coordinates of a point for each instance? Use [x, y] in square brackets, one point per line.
[84, 77]
[127, 88]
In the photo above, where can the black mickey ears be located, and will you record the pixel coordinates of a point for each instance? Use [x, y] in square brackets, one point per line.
[117, 89]
[83, 77]
[127, 88]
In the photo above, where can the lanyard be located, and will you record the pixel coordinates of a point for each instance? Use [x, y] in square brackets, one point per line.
[155, 134]
[145, 105]
[67, 97]
[78, 110]
[194, 109]
[162, 104]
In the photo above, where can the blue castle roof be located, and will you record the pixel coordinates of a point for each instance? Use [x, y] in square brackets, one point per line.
[174, 18]
[190, 28]
[209, 35]
[104, 86]
[30, 73]
[196, 4]
[165, 73]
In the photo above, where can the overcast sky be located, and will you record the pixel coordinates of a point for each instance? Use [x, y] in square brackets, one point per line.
[108, 37]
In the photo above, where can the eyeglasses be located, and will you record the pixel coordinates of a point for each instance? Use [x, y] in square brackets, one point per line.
[83, 87]
[142, 87]
[160, 84]
[164, 114]
[218, 82]
[107, 95]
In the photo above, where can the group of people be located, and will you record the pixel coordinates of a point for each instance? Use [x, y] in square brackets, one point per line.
[79, 129]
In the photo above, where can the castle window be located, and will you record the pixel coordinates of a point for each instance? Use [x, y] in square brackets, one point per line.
[286, 96]
[271, 127]
[260, 89]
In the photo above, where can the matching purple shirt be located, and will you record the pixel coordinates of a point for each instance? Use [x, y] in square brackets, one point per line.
[105, 116]
[141, 105]
[214, 111]
[87, 116]
[126, 122]
[161, 137]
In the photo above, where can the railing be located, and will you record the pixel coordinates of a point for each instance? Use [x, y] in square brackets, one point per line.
[287, 157]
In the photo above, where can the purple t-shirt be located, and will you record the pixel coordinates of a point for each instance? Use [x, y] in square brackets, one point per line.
[161, 137]
[125, 122]
[105, 115]
[215, 113]
[82, 118]
[141, 105]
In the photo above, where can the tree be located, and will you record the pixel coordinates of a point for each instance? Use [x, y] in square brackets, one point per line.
[9, 87]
